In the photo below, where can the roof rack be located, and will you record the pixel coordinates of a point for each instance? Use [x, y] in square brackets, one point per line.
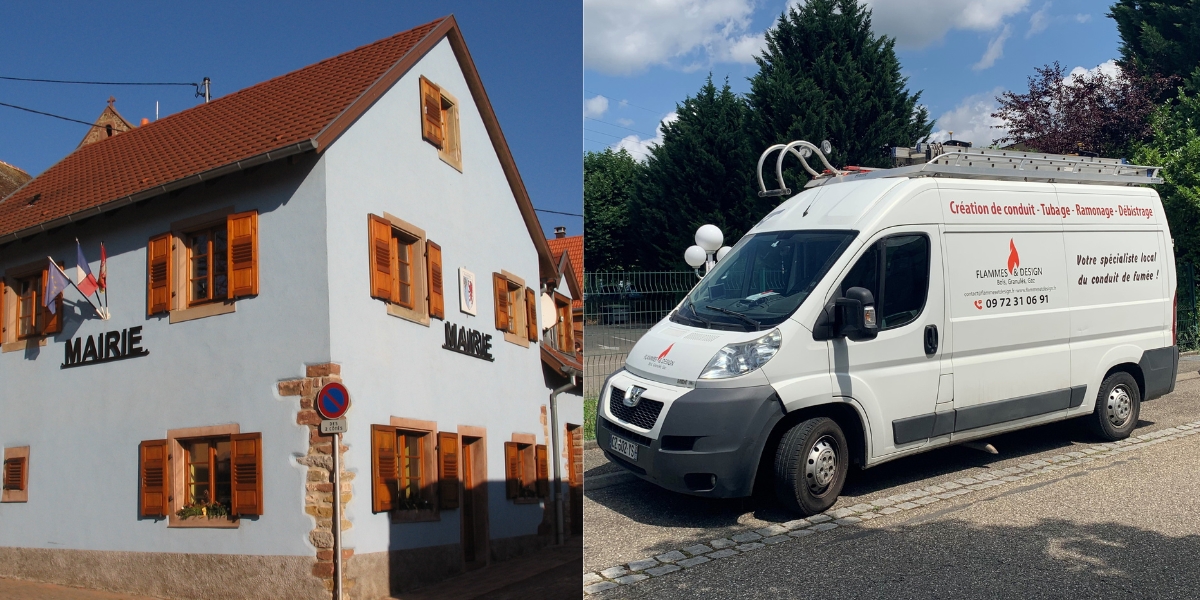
[973, 163]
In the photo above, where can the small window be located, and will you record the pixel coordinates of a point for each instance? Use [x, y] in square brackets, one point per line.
[204, 263]
[16, 475]
[896, 272]
[515, 309]
[439, 122]
[21, 297]
[413, 480]
[526, 471]
[207, 474]
[403, 471]
[562, 334]
[208, 255]
[30, 314]
[202, 481]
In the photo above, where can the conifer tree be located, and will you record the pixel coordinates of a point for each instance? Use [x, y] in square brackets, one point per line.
[609, 184]
[825, 76]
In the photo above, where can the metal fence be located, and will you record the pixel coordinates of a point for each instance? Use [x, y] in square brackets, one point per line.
[618, 307]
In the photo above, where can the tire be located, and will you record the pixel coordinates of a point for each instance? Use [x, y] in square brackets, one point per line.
[810, 466]
[1118, 405]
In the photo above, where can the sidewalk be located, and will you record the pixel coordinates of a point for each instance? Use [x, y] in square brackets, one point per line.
[19, 589]
[549, 574]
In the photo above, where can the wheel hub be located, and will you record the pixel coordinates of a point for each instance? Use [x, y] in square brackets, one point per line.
[820, 466]
[1119, 406]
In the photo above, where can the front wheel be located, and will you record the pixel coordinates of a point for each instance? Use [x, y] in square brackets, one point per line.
[1117, 407]
[810, 466]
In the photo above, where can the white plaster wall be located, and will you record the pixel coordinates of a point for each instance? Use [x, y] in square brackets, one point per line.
[83, 425]
[394, 367]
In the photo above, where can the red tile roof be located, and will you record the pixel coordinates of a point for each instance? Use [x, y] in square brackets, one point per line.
[11, 178]
[272, 115]
[573, 246]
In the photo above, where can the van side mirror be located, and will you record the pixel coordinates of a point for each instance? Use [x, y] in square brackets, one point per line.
[855, 315]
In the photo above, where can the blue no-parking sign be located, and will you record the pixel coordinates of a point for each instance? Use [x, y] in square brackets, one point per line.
[333, 400]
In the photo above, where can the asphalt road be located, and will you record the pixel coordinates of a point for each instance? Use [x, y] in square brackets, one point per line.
[1126, 527]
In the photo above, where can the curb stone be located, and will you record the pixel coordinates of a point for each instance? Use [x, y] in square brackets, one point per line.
[748, 540]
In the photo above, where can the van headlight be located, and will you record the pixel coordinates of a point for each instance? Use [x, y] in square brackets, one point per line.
[739, 359]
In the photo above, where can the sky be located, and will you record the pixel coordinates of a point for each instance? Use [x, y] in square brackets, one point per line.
[529, 56]
[641, 57]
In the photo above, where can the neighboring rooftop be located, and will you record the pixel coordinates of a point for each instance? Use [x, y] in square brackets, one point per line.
[109, 123]
[11, 178]
[573, 246]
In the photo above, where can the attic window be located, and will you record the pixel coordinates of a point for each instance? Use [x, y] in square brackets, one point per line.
[108, 129]
[439, 123]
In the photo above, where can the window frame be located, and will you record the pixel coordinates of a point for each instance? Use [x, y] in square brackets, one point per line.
[177, 476]
[450, 149]
[881, 272]
[526, 476]
[186, 238]
[10, 340]
[518, 312]
[38, 318]
[180, 308]
[418, 312]
[17, 495]
[427, 434]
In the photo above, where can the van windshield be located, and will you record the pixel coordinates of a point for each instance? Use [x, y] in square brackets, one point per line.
[763, 279]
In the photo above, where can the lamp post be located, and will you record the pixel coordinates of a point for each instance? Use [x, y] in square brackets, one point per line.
[708, 249]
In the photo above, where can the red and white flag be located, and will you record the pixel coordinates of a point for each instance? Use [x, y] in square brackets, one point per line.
[102, 281]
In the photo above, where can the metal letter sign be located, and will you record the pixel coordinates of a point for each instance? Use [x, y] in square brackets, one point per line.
[333, 400]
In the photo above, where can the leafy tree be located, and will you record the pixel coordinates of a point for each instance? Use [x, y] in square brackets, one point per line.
[1093, 112]
[1158, 37]
[609, 185]
[825, 76]
[1175, 146]
[702, 172]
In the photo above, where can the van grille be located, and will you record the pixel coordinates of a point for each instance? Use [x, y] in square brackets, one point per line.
[632, 436]
[644, 415]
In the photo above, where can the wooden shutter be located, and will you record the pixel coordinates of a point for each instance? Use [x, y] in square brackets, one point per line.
[437, 297]
[431, 112]
[246, 461]
[15, 475]
[383, 467]
[152, 478]
[543, 472]
[51, 322]
[380, 238]
[242, 229]
[500, 293]
[447, 470]
[512, 470]
[158, 274]
[3, 315]
[531, 322]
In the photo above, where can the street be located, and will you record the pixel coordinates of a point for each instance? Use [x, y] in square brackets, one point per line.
[1054, 514]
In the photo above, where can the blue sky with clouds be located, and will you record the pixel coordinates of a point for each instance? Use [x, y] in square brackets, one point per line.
[641, 57]
[528, 55]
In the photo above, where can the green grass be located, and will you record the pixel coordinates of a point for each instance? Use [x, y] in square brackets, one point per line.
[589, 418]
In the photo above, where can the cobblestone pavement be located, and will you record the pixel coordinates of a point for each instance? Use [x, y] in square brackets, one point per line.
[16, 589]
[638, 532]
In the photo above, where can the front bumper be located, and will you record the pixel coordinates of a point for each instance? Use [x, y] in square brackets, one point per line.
[702, 434]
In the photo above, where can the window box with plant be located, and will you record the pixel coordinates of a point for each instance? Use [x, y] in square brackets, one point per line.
[412, 478]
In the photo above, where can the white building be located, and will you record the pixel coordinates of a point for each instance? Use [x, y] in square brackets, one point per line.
[316, 227]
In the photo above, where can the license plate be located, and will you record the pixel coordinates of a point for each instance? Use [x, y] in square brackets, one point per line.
[625, 448]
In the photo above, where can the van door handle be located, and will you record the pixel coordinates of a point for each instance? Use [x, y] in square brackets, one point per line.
[931, 340]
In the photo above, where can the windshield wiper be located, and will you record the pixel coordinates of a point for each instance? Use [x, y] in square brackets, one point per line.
[706, 322]
[757, 326]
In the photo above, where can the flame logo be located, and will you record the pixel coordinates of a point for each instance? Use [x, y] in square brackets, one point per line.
[664, 352]
[1014, 260]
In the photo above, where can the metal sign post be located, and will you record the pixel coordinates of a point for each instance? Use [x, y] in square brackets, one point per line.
[332, 403]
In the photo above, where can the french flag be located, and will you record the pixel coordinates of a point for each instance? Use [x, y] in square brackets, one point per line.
[85, 281]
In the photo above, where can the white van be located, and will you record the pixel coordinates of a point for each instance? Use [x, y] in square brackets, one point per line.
[882, 314]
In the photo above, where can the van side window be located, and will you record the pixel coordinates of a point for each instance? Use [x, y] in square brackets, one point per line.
[905, 280]
[901, 290]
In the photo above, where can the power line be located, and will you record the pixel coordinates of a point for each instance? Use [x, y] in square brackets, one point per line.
[557, 212]
[95, 82]
[619, 137]
[627, 103]
[38, 112]
[620, 126]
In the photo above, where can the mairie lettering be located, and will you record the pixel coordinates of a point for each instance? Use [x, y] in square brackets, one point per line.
[103, 347]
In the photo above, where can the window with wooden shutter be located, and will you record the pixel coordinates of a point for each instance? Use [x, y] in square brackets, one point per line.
[243, 254]
[14, 474]
[431, 113]
[158, 274]
[543, 472]
[247, 476]
[531, 322]
[381, 258]
[437, 297]
[448, 470]
[152, 478]
[500, 293]
[383, 468]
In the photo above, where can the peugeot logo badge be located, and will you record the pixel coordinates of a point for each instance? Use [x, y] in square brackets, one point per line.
[633, 395]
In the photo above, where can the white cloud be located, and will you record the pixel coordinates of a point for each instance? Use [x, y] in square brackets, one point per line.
[1082, 18]
[1109, 68]
[995, 50]
[623, 122]
[1039, 21]
[624, 37]
[918, 23]
[595, 107]
[972, 120]
[640, 148]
